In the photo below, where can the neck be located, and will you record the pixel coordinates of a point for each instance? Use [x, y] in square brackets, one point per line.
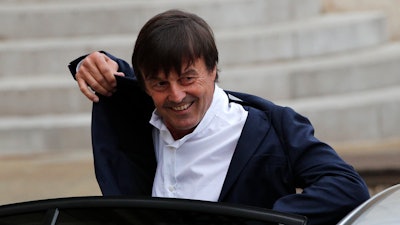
[178, 134]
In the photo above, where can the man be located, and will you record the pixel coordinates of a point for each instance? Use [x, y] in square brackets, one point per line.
[165, 128]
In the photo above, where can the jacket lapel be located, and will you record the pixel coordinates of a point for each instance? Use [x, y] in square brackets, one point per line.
[250, 139]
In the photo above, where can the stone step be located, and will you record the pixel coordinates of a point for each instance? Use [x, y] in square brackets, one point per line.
[370, 68]
[334, 75]
[67, 18]
[44, 133]
[354, 119]
[328, 34]
[256, 44]
[339, 120]
[41, 95]
[328, 67]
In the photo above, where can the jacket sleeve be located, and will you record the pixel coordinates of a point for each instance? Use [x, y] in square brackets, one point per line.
[121, 136]
[123, 66]
[330, 187]
[121, 139]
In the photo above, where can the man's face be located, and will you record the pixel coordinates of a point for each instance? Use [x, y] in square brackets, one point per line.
[182, 101]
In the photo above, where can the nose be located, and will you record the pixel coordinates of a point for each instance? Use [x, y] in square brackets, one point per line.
[176, 93]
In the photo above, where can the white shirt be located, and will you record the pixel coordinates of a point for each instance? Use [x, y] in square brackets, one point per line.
[195, 166]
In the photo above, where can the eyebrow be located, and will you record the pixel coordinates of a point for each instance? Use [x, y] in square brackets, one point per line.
[189, 71]
[152, 79]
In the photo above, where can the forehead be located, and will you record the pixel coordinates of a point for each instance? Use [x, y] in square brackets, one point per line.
[187, 67]
[197, 64]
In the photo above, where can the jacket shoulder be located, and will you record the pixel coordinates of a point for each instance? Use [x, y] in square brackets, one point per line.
[248, 100]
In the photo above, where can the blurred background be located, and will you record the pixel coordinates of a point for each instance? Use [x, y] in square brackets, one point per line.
[335, 61]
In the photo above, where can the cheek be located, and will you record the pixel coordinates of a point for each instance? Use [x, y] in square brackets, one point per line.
[158, 102]
[205, 98]
[157, 99]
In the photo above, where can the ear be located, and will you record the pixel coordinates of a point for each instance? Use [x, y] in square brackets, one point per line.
[214, 73]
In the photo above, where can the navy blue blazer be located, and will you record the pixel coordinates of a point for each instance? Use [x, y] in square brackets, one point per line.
[277, 153]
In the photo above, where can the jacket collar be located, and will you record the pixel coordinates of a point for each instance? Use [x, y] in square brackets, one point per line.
[251, 137]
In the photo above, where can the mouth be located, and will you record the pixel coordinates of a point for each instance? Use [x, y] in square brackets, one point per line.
[181, 107]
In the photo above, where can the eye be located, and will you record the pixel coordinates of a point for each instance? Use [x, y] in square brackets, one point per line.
[159, 85]
[186, 80]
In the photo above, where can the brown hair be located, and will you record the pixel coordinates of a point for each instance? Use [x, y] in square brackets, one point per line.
[169, 39]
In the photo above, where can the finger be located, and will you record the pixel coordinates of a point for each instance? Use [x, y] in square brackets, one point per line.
[110, 70]
[95, 76]
[121, 74]
[106, 67]
[86, 91]
[91, 82]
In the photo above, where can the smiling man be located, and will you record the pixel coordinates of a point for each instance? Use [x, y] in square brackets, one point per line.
[182, 99]
[164, 128]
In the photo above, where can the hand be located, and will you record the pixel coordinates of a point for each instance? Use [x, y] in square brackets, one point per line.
[97, 74]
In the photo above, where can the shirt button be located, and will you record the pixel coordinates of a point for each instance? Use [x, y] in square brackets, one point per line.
[171, 188]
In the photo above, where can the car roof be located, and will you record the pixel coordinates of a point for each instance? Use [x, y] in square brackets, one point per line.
[382, 208]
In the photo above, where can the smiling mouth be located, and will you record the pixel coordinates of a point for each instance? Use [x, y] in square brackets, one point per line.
[182, 107]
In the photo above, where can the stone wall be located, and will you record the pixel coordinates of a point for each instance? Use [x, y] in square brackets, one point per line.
[390, 7]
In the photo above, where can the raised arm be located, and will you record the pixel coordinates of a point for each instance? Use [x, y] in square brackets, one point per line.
[96, 73]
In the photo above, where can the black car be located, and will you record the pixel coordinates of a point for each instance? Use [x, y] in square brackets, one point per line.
[139, 211]
[382, 208]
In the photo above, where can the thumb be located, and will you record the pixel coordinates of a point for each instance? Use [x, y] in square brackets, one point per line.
[119, 74]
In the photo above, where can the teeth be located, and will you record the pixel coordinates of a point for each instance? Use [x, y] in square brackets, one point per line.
[179, 108]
